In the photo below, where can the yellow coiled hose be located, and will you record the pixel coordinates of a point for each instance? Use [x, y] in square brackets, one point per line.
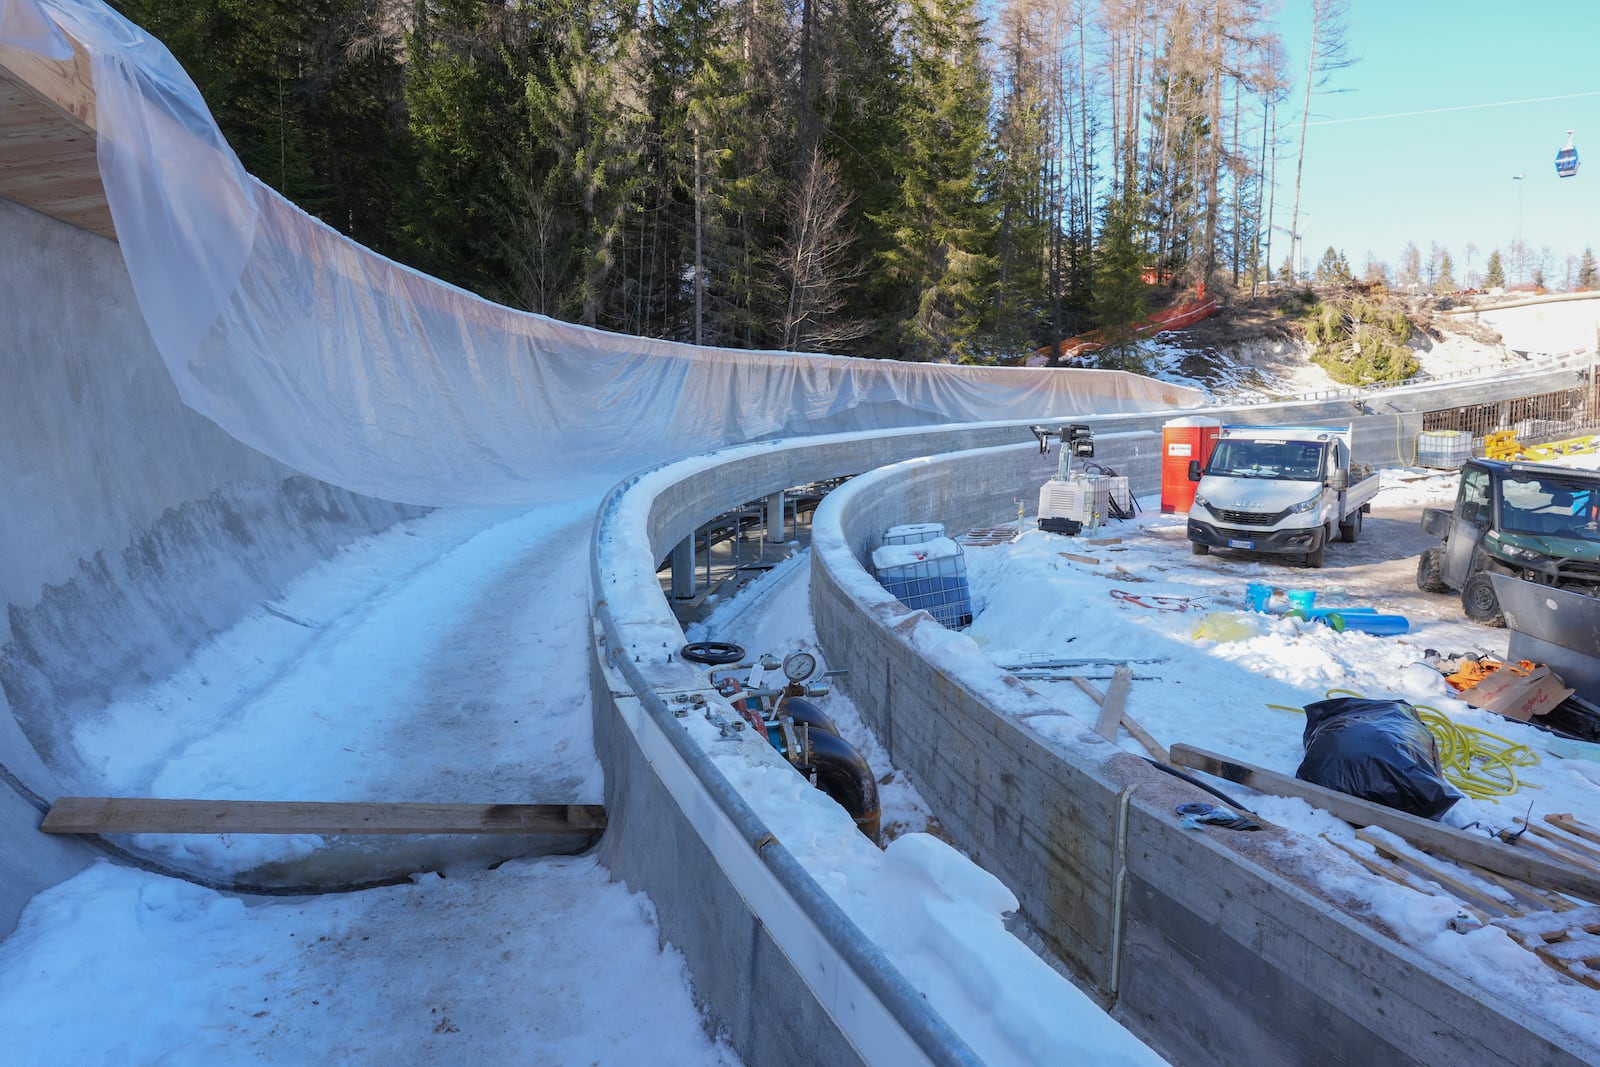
[1483, 765]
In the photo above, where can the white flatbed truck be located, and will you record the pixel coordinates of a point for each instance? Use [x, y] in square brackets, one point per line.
[1279, 489]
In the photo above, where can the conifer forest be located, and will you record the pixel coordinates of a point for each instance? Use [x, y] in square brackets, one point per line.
[912, 179]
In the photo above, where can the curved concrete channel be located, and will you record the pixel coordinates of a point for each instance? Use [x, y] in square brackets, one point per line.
[139, 529]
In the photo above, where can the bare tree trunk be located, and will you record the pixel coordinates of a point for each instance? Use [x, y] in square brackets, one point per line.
[1326, 54]
[699, 265]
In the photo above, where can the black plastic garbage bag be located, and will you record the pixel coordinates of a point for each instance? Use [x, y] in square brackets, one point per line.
[1378, 750]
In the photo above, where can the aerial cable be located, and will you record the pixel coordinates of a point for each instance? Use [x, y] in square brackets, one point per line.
[1458, 107]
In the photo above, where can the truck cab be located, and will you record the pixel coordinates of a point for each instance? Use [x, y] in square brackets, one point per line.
[1532, 521]
[1279, 489]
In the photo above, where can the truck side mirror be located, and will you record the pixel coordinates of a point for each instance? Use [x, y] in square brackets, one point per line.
[1194, 470]
[1339, 481]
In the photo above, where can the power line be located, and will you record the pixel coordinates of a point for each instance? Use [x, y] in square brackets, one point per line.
[1459, 107]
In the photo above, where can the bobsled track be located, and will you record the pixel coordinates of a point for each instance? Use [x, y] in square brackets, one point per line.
[171, 469]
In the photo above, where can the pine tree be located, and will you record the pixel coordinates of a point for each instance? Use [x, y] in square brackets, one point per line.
[307, 94]
[1120, 293]
[466, 95]
[1333, 268]
[857, 81]
[1446, 282]
[1494, 276]
[1588, 275]
[943, 226]
[583, 184]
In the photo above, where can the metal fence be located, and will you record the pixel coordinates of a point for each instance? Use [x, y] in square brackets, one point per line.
[1534, 419]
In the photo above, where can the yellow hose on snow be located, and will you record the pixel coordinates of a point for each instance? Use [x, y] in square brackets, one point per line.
[1480, 763]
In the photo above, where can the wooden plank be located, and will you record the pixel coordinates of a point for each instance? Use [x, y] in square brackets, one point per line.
[1408, 879]
[1456, 886]
[1111, 707]
[1573, 826]
[138, 815]
[1143, 736]
[1571, 857]
[1576, 845]
[1074, 557]
[1423, 833]
[1530, 897]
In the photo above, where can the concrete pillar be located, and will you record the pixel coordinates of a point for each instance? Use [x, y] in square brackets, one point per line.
[775, 518]
[683, 569]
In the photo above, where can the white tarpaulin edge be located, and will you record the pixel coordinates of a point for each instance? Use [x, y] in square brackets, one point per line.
[364, 373]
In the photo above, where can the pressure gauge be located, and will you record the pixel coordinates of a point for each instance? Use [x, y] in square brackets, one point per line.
[798, 666]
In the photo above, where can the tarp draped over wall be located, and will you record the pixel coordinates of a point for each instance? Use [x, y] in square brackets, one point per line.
[369, 375]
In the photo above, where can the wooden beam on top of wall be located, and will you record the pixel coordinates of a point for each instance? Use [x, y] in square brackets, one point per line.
[48, 141]
[134, 815]
[66, 85]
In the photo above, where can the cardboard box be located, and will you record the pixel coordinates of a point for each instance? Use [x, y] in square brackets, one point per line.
[1518, 696]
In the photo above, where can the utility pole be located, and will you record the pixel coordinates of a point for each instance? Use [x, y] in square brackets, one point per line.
[1517, 251]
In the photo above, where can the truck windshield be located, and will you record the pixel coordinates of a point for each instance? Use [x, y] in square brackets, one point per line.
[1299, 461]
[1550, 507]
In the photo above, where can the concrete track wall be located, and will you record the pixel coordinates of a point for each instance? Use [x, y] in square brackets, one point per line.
[1212, 947]
[134, 528]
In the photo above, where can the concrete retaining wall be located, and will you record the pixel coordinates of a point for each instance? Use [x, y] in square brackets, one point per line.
[135, 530]
[1204, 944]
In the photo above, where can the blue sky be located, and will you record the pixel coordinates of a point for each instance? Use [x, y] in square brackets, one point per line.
[1446, 175]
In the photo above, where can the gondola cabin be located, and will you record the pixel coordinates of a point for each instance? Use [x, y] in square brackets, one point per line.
[1567, 159]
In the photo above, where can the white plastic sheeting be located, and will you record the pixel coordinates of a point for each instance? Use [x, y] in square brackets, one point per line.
[364, 373]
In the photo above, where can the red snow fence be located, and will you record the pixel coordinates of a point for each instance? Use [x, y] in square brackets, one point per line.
[1173, 318]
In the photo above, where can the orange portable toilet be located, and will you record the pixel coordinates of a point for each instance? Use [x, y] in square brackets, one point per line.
[1183, 440]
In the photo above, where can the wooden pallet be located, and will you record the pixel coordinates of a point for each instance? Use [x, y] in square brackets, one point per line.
[988, 535]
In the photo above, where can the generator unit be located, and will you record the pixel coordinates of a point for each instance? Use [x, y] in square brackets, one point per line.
[1075, 499]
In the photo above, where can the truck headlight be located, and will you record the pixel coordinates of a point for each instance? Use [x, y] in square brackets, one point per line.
[1201, 501]
[1306, 505]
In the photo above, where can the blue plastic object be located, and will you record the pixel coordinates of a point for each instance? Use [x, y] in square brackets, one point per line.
[1368, 622]
[1257, 596]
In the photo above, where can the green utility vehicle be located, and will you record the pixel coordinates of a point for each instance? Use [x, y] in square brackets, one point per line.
[1530, 521]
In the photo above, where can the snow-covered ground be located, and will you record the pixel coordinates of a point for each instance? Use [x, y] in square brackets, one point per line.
[1276, 369]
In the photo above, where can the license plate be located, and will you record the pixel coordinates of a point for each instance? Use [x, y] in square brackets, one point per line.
[1241, 544]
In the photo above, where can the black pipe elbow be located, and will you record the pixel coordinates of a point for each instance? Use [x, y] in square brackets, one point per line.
[804, 711]
[842, 773]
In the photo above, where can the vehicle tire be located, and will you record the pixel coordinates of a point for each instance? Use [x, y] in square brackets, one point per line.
[1196, 548]
[1349, 531]
[1479, 602]
[1315, 556]
[1430, 566]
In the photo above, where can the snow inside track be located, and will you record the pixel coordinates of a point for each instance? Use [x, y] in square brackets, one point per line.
[442, 660]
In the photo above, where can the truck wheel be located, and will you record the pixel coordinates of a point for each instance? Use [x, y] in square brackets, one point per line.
[1479, 602]
[1429, 571]
[1196, 548]
[1349, 531]
[1314, 557]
